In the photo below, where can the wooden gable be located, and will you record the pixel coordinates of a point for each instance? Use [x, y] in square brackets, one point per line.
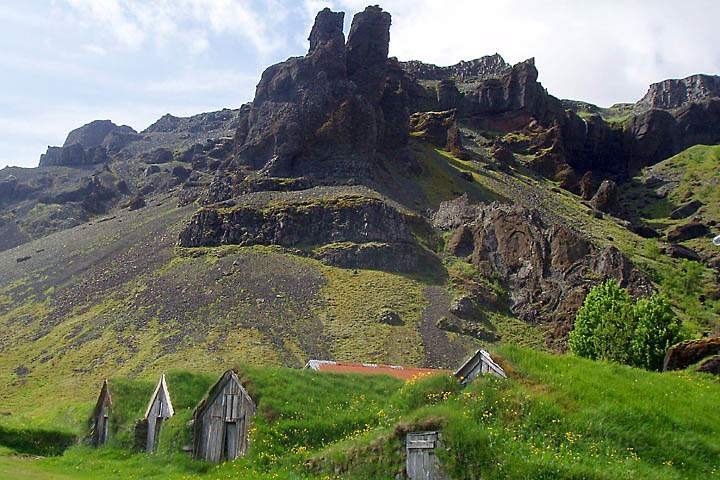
[480, 363]
[158, 410]
[160, 405]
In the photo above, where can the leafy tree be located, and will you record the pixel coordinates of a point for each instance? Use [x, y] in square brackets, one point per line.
[656, 329]
[601, 324]
[609, 326]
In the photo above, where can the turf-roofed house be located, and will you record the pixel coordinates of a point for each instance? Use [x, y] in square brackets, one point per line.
[100, 421]
[158, 410]
[222, 420]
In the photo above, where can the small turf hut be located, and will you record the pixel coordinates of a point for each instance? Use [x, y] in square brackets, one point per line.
[480, 363]
[222, 420]
[100, 421]
[158, 410]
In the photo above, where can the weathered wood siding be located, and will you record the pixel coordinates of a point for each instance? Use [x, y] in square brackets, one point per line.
[422, 462]
[159, 411]
[100, 428]
[224, 422]
[479, 364]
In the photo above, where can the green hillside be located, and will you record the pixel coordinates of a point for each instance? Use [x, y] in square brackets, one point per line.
[555, 417]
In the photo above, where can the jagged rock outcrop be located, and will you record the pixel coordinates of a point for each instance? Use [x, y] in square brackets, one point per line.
[90, 144]
[548, 269]
[674, 93]
[438, 128]
[93, 195]
[484, 67]
[330, 114]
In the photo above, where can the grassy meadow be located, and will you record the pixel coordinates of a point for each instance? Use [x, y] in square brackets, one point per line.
[556, 417]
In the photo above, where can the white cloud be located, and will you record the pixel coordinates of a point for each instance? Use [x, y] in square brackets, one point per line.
[135, 23]
[601, 51]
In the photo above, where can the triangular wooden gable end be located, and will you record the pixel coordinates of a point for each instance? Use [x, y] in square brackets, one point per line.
[228, 376]
[481, 362]
[161, 389]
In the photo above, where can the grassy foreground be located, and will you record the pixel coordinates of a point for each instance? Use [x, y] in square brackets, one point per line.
[556, 417]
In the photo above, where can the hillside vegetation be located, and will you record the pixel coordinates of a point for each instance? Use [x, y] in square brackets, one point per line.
[555, 417]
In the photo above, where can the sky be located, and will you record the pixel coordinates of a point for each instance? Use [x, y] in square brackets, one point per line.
[64, 63]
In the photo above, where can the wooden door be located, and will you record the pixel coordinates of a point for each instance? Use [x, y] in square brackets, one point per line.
[102, 429]
[422, 463]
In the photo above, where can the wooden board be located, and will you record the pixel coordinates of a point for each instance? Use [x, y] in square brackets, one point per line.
[422, 462]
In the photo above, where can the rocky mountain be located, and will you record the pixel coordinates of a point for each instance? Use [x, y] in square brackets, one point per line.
[670, 94]
[465, 202]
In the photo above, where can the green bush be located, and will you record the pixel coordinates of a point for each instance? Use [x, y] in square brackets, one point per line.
[609, 326]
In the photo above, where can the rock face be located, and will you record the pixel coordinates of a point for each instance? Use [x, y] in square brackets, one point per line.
[670, 94]
[710, 365]
[315, 222]
[690, 352]
[548, 269]
[657, 134]
[89, 144]
[331, 114]
[342, 229]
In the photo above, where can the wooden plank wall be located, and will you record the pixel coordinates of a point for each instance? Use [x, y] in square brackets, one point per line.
[224, 427]
[422, 462]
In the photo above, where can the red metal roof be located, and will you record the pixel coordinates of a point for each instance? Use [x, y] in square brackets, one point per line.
[403, 373]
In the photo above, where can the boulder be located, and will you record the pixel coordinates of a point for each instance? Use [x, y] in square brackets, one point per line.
[688, 231]
[679, 251]
[181, 173]
[690, 352]
[390, 317]
[136, 203]
[606, 197]
[158, 156]
[686, 210]
[454, 213]
[464, 307]
[710, 365]
[644, 230]
[151, 170]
